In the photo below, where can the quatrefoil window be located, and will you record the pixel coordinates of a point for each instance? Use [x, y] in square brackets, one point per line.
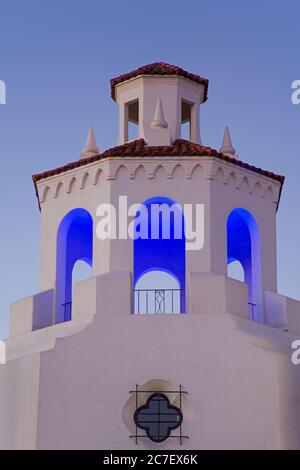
[158, 417]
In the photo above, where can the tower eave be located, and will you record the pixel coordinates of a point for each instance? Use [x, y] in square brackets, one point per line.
[159, 69]
[139, 148]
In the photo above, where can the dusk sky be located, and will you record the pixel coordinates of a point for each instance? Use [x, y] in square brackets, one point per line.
[57, 57]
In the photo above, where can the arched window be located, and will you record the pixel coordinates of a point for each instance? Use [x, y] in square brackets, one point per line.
[235, 270]
[157, 292]
[243, 246]
[74, 244]
[159, 257]
[81, 272]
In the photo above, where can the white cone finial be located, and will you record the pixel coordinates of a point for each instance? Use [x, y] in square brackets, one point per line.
[227, 147]
[159, 118]
[90, 148]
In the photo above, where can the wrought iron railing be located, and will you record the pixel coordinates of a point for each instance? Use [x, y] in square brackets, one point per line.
[67, 310]
[251, 306]
[157, 301]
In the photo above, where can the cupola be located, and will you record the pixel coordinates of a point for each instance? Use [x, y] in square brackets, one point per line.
[157, 99]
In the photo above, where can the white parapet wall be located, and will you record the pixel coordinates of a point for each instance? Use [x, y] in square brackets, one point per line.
[32, 313]
[109, 293]
[282, 312]
[213, 293]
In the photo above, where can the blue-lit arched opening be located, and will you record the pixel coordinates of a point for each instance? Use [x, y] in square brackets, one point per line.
[159, 250]
[74, 243]
[243, 245]
[235, 270]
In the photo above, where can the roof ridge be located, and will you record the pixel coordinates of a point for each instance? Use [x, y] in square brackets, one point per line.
[159, 68]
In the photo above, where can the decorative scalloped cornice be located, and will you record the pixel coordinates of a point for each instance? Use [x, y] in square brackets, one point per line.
[210, 169]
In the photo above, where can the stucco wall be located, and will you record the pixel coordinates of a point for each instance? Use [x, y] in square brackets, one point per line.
[19, 388]
[231, 375]
[220, 186]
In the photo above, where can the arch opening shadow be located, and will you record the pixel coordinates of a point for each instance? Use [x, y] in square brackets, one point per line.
[74, 243]
[243, 245]
[159, 258]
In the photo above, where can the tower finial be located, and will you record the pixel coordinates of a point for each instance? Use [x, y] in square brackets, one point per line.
[90, 148]
[159, 118]
[227, 147]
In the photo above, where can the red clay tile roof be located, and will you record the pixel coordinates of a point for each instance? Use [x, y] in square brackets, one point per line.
[158, 68]
[138, 148]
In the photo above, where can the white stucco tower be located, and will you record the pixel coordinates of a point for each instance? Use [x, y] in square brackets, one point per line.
[159, 328]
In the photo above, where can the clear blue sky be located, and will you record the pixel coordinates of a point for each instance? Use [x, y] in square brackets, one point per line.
[57, 57]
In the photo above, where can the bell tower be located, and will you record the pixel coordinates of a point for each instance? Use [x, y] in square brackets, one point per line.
[159, 323]
[238, 202]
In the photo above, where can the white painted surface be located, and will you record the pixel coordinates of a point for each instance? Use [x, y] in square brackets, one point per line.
[67, 385]
[231, 376]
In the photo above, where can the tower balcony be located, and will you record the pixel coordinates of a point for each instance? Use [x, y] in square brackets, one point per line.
[110, 297]
[113, 294]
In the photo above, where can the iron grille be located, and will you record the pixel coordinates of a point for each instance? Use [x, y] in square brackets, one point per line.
[157, 301]
[158, 394]
[67, 310]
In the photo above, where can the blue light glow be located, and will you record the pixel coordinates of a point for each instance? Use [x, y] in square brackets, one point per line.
[161, 254]
[74, 242]
[243, 245]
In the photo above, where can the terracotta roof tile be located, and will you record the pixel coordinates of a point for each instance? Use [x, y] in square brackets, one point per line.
[158, 68]
[138, 148]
